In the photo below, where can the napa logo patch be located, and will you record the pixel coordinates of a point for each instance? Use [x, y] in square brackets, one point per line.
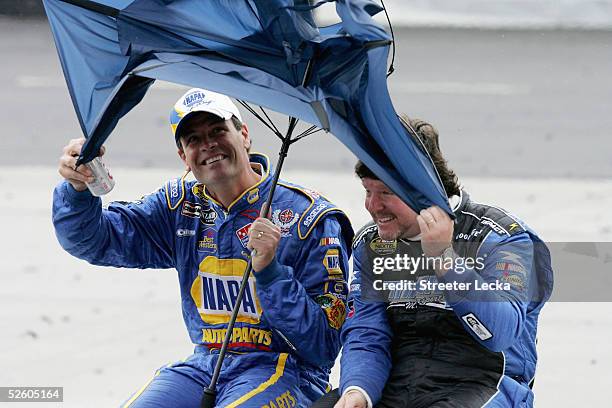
[215, 290]
[331, 261]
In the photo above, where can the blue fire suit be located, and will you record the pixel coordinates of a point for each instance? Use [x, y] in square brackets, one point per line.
[449, 346]
[286, 336]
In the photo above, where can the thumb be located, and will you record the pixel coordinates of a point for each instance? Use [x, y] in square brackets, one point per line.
[264, 213]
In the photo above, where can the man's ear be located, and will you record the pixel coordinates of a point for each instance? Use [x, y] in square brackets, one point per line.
[181, 154]
[245, 135]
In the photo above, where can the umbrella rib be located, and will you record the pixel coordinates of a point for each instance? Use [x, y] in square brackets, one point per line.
[270, 120]
[391, 66]
[308, 132]
[248, 2]
[262, 120]
[98, 8]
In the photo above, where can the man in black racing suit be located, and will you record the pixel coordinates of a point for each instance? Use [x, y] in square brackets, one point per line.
[463, 335]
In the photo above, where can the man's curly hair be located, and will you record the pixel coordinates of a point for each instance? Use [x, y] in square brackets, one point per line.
[427, 137]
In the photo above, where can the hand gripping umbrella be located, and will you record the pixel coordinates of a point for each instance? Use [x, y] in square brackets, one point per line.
[267, 52]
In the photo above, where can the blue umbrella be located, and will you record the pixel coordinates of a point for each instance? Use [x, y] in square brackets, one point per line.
[267, 52]
[111, 51]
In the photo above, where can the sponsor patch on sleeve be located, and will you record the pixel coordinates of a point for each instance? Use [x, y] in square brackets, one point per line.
[331, 261]
[476, 326]
[334, 309]
[328, 241]
[350, 309]
[337, 287]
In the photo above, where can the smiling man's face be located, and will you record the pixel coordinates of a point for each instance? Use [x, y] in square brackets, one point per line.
[214, 150]
[394, 218]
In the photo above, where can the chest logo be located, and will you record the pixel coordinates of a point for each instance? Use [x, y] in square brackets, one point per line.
[215, 290]
[243, 234]
[285, 219]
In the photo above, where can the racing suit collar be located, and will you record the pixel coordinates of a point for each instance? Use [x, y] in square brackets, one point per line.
[458, 203]
[261, 164]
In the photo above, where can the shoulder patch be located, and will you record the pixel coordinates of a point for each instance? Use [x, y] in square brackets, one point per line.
[175, 192]
[497, 219]
[318, 207]
[501, 222]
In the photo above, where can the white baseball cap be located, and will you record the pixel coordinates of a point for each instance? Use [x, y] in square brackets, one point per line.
[201, 100]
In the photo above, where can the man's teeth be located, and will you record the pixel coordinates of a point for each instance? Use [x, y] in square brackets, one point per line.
[386, 219]
[213, 159]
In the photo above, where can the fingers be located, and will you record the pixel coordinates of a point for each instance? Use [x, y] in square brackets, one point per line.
[67, 162]
[341, 402]
[269, 212]
[438, 213]
[422, 224]
[428, 215]
[432, 217]
[67, 170]
[436, 230]
[264, 237]
[352, 399]
[264, 229]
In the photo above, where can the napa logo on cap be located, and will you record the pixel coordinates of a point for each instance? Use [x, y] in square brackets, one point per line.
[195, 98]
[202, 100]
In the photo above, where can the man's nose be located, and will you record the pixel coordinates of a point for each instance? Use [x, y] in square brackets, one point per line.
[374, 203]
[207, 142]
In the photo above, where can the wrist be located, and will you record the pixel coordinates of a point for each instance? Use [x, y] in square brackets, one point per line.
[78, 187]
[270, 273]
[361, 393]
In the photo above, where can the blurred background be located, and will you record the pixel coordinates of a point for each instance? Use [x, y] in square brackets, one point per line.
[521, 92]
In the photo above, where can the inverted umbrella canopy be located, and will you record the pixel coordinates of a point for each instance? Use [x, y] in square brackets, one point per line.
[111, 51]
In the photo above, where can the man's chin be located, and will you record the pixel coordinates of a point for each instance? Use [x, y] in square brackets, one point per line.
[387, 234]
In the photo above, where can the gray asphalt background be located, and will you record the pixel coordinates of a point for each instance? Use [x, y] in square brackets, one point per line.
[529, 105]
[526, 103]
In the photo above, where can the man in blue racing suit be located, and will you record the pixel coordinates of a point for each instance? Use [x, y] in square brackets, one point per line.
[287, 333]
[456, 325]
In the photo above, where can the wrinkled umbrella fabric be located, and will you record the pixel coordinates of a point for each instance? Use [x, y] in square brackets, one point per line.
[112, 51]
